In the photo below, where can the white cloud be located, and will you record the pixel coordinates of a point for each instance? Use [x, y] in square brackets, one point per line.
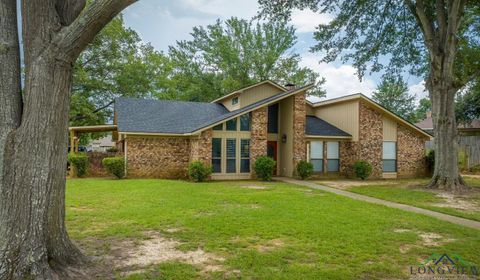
[341, 80]
[306, 21]
[418, 90]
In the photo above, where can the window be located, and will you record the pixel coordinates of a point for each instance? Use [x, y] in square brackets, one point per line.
[245, 122]
[316, 155]
[389, 156]
[231, 155]
[217, 155]
[235, 101]
[232, 125]
[218, 127]
[244, 155]
[332, 157]
[272, 118]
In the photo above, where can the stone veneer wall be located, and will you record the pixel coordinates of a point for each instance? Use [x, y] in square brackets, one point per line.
[258, 135]
[410, 153]
[158, 157]
[201, 147]
[299, 119]
[370, 138]
[348, 156]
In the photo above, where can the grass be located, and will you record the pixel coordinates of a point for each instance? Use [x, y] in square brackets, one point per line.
[324, 236]
[401, 193]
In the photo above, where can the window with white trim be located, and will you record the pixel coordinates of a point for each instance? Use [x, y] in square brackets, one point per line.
[316, 155]
[333, 160]
[389, 156]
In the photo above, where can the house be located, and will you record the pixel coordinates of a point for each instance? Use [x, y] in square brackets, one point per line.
[468, 139]
[159, 138]
[101, 145]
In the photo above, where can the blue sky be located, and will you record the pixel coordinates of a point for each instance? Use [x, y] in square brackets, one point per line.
[162, 23]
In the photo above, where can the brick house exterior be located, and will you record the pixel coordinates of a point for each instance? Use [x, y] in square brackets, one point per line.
[160, 138]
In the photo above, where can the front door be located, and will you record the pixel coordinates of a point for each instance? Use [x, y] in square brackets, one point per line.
[272, 152]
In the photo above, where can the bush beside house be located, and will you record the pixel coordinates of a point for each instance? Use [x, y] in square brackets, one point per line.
[264, 167]
[362, 169]
[304, 169]
[79, 163]
[114, 166]
[198, 171]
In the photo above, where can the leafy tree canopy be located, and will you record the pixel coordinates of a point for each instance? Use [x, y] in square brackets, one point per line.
[468, 104]
[384, 36]
[392, 93]
[233, 54]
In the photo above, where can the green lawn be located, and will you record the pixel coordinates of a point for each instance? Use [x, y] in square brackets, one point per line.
[279, 232]
[402, 191]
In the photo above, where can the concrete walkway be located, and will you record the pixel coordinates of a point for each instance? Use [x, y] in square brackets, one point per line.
[441, 216]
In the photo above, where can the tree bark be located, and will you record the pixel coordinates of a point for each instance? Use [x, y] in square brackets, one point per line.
[33, 131]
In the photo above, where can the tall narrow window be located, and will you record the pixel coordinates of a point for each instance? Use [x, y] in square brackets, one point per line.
[232, 125]
[316, 155]
[216, 155]
[231, 155]
[390, 156]
[272, 126]
[332, 157]
[245, 122]
[245, 155]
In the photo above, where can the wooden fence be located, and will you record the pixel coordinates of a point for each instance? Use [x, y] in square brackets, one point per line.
[468, 144]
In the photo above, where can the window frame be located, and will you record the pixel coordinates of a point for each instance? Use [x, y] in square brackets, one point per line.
[227, 157]
[216, 157]
[394, 160]
[331, 159]
[242, 157]
[320, 159]
[234, 100]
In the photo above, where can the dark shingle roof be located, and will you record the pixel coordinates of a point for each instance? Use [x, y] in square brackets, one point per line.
[178, 117]
[164, 116]
[316, 126]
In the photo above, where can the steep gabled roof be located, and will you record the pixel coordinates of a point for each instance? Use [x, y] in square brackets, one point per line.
[318, 127]
[281, 88]
[144, 116]
[373, 104]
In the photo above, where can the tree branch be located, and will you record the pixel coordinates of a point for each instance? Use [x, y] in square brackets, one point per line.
[81, 117]
[442, 19]
[68, 10]
[418, 11]
[75, 37]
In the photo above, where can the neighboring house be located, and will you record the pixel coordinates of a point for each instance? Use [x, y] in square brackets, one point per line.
[101, 145]
[468, 139]
[159, 138]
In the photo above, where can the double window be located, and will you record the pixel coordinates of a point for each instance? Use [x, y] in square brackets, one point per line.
[333, 156]
[389, 156]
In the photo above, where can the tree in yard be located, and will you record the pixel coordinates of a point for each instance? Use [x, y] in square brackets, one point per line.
[424, 106]
[229, 55]
[33, 129]
[436, 38]
[115, 64]
[468, 104]
[392, 93]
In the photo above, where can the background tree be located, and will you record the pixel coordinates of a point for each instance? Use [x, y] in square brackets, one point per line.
[468, 104]
[230, 55]
[424, 106]
[436, 38]
[33, 127]
[392, 93]
[116, 64]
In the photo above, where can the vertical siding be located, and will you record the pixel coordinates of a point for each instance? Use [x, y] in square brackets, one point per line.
[228, 103]
[258, 93]
[285, 154]
[389, 129]
[342, 115]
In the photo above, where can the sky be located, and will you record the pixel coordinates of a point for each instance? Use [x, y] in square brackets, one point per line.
[162, 23]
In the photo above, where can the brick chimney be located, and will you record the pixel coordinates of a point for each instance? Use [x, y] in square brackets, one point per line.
[290, 86]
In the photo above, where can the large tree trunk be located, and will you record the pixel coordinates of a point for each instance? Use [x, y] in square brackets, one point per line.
[37, 155]
[34, 130]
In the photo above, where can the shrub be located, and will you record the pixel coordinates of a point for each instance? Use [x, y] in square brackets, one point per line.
[198, 171]
[264, 167]
[430, 158]
[362, 169]
[304, 169]
[112, 150]
[114, 166]
[79, 162]
[475, 168]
